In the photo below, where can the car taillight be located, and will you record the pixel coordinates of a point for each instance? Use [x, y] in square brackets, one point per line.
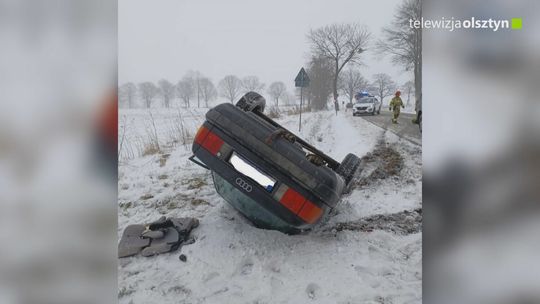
[208, 140]
[292, 200]
[310, 212]
[298, 204]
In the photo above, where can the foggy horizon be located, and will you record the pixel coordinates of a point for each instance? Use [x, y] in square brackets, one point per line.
[167, 39]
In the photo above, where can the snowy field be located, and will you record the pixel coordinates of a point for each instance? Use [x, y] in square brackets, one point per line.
[356, 255]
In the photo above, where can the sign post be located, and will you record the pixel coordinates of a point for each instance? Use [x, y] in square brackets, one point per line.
[301, 81]
[301, 104]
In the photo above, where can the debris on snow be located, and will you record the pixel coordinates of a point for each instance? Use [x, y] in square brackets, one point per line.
[385, 162]
[405, 222]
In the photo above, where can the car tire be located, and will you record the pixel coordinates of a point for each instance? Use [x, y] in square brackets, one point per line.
[251, 101]
[349, 168]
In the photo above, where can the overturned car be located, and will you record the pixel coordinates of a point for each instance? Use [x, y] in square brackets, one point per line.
[274, 178]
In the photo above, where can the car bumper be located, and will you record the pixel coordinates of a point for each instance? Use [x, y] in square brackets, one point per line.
[355, 111]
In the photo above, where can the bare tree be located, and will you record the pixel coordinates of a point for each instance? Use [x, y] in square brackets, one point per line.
[350, 82]
[127, 93]
[404, 43]
[409, 88]
[208, 90]
[371, 89]
[288, 98]
[229, 87]
[276, 90]
[252, 83]
[196, 77]
[341, 44]
[185, 89]
[148, 91]
[384, 85]
[166, 90]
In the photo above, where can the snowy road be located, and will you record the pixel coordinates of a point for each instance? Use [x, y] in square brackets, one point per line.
[234, 262]
[404, 128]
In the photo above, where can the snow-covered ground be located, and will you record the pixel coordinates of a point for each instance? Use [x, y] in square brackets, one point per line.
[409, 108]
[234, 262]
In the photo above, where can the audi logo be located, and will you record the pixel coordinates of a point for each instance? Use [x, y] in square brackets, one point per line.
[243, 184]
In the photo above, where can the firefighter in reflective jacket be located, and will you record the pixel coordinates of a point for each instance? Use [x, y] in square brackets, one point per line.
[395, 106]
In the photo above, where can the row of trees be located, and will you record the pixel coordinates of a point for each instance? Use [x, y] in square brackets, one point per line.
[194, 86]
[337, 46]
[351, 81]
[336, 54]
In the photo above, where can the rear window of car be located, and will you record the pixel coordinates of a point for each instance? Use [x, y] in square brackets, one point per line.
[248, 205]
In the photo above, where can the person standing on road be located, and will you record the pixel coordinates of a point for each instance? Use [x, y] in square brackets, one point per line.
[336, 105]
[395, 106]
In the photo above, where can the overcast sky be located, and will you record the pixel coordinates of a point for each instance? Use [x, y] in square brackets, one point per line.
[166, 38]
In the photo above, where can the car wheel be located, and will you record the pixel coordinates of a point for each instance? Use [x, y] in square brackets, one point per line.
[349, 168]
[252, 101]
